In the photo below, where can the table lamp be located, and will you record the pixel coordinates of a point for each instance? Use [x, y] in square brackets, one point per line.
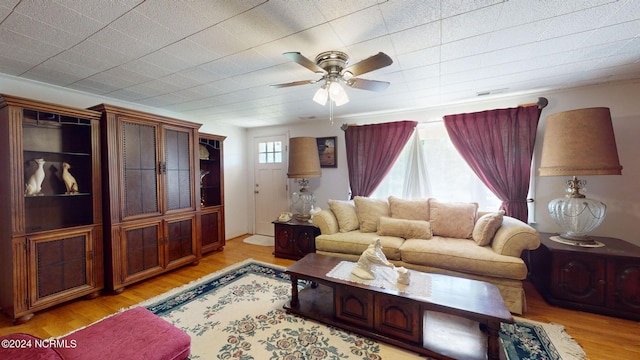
[578, 142]
[304, 163]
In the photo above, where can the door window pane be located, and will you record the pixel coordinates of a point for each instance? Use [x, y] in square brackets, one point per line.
[270, 152]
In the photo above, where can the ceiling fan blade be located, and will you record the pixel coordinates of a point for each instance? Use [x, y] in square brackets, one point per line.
[371, 63]
[300, 59]
[295, 83]
[372, 85]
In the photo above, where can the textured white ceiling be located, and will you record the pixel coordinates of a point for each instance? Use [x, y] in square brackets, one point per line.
[215, 59]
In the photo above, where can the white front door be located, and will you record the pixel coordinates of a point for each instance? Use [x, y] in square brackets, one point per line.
[270, 186]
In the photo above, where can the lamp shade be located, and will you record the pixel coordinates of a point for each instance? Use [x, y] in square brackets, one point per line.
[579, 142]
[304, 161]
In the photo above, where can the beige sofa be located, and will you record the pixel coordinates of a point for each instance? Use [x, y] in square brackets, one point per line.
[432, 236]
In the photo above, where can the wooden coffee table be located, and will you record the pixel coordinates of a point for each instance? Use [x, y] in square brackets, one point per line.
[456, 319]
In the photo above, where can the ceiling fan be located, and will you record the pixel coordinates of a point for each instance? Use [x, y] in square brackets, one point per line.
[332, 66]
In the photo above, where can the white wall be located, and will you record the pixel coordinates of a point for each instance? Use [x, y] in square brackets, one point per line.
[619, 193]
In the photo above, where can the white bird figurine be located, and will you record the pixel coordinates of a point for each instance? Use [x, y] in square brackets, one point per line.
[34, 185]
[69, 180]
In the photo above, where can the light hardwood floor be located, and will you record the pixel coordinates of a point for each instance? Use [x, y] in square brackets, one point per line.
[602, 337]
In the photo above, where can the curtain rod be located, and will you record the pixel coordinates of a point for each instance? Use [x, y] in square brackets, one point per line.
[541, 104]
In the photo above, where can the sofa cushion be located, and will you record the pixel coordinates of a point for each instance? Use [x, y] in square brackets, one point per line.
[486, 227]
[355, 242]
[463, 256]
[452, 219]
[369, 211]
[345, 212]
[408, 229]
[326, 221]
[409, 209]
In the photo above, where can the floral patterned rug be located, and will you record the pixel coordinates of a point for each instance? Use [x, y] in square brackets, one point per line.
[237, 313]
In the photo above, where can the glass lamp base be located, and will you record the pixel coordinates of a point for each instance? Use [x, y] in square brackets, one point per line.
[303, 201]
[588, 243]
[577, 217]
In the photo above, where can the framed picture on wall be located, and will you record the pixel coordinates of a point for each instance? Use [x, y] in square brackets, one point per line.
[327, 150]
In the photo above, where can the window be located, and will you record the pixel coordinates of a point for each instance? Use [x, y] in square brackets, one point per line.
[448, 175]
[270, 152]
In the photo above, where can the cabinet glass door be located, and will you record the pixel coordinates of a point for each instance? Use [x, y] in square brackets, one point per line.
[57, 154]
[140, 169]
[178, 169]
[211, 235]
[181, 239]
[210, 172]
[62, 265]
[142, 250]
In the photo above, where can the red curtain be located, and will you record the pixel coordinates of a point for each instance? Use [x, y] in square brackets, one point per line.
[498, 146]
[372, 150]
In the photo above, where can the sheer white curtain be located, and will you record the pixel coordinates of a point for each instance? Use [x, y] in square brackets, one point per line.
[430, 166]
[408, 178]
[416, 180]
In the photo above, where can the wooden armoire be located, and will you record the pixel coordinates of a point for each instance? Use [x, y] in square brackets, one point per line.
[51, 247]
[151, 201]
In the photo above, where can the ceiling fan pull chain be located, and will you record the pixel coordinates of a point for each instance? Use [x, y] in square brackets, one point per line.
[331, 112]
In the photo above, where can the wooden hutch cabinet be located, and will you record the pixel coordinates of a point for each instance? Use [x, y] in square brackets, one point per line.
[211, 192]
[605, 279]
[149, 170]
[51, 247]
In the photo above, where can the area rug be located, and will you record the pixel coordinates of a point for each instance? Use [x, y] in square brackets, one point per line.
[237, 313]
[261, 240]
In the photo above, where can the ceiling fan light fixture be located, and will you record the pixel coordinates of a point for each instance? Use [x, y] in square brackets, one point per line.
[337, 94]
[332, 66]
[321, 96]
[341, 99]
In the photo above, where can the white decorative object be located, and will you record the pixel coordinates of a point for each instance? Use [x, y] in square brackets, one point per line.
[314, 210]
[369, 258]
[403, 275]
[203, 173]
[34, 185]
[68, 179]
[386, 278]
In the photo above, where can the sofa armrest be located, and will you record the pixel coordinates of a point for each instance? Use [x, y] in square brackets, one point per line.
[326, 221]
[514, 236]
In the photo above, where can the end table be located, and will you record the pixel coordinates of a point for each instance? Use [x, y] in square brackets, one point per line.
[603, 280]
[294, 239]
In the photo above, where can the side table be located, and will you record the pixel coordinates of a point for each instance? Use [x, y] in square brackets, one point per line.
[294, 239]
[603, 280]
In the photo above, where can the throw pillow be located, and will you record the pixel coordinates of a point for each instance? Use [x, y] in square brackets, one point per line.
[452, 219]
[345, 213]
[486, 227]
[408, 229]
[409, 209]
[369, 211]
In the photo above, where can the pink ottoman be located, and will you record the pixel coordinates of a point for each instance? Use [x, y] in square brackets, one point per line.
[133, 334]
